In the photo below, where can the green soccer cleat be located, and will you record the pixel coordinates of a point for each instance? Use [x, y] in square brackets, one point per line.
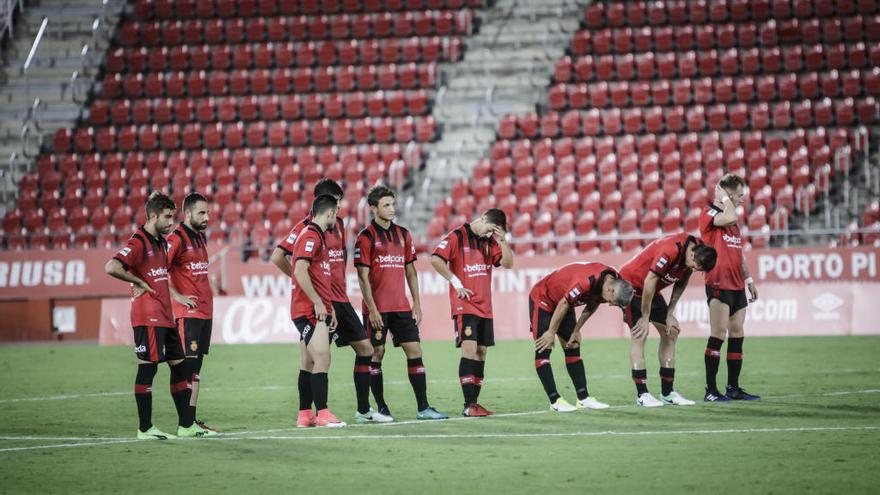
[154, 434]
[193, 431]
[430, 413]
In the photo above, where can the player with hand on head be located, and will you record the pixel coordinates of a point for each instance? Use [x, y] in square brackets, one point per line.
[726, 288]
[666, 261]
[311, 307]
[465, 257]
[551, 314]
[143, 263]
[384, 255]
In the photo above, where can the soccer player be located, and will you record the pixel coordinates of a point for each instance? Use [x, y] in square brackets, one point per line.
[667, 261]
[143, 263]
[192, 298]
[312, 308]
[349, 329]
[465, 258]
[725, 288]
[551, 316]
[384, 256]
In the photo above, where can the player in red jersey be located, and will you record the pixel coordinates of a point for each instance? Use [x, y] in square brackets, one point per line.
[725, 288]
[551, 316]
[192, 297]
[143, 264]
[465, 257]
[667, 261]
[349, 329]
[384, 256]
[311, 308]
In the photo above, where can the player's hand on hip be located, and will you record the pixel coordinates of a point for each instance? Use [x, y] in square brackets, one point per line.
[376, 320]
[464, 293]
[142, 288]
[753, 292]
[640, 329]
[417, 314]
[545, 342]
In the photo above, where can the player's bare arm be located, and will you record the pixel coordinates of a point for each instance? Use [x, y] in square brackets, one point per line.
[545, 341]
[412, 280]
[279, 259]
[187, 300]
[588, 311]
[672, 325]
[728, 214]
[750, 282]
[442, 268]
[506, 253]
[115, 269]
[301, 272]
[367, 292]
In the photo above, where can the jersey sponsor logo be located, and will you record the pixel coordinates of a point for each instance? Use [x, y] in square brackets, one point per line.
[669, 279]
[310, 246]
[390, 259]
[125, 251]
[661, 262]
[42, 273]
[476, 268]
[199, 265]
[732, 240]
[157, 273]
[335, 254]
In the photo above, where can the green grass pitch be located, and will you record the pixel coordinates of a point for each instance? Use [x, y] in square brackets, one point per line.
[67, 424]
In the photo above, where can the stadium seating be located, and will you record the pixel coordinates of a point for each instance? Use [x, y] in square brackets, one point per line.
[654, 101]
[248, 101]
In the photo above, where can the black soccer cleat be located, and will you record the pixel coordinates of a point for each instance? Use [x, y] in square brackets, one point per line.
[715, 396]
[737, 393]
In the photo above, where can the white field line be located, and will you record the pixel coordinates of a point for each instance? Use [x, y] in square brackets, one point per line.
[398, 382]
[442, 436]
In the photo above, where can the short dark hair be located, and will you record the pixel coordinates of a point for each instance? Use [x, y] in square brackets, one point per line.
[731, 181]
[159, 202]
[705, 256]
[378, 192]
[328, 186]
[189, 202]
[322, 203]
[496, 217]
[624, 292]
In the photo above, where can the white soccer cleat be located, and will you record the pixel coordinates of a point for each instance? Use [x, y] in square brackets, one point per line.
[562, 405]
[591, 403]
[675, 399]
[648, 400]
[373, 417]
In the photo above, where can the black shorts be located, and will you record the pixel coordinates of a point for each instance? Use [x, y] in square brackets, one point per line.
[401, 324]
[157, 344]
[306, 327]
[734, 299]
[633, 312]
[473, 327]
[195, 335]
[540, 321]
[348, 325]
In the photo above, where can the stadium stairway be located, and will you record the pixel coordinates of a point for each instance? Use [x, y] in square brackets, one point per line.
[504, 70]
[72, 25]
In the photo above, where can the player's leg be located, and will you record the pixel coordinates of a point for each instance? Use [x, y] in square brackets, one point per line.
[574, 364]
[350, 332]
[631, 314]
[735, 357]
[306, 416]
[466, 339]
[540, 322]
[405, 332]
[719, 316]
[666, 356]
[485, 340]
[180, 385]
[196, 336]
[318, 347]
[147, 352]
[377, 386]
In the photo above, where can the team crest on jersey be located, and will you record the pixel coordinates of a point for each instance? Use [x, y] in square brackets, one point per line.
[378, 335]
[661, 262]
[193, 346]
[467, 249]
[468, 331]
[310, 245]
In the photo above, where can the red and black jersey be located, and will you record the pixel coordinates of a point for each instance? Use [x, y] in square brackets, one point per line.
[471, 259]
[727, 241]
[578, 283]
[334, 243]
[310, 246]
[188, 267]
[665, 257]
[145, 257]
[386, 252]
